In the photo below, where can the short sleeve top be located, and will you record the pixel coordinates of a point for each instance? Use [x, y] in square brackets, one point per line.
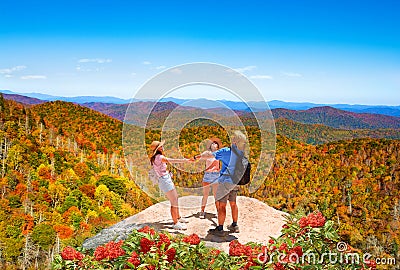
[159, 166]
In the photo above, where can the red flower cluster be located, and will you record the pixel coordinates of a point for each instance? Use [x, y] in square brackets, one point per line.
[193, 239]
[283, 247]
[271, 241]
[296, 250]
[237, 249]
[162, 244]
[163, 240]
[69, 253]
[249, 264]
[146, 244]
[263, 255]
[110, 251]
[371, 264]
[148, 230]
[170, 254]
[278, 266]
[313, 220]
[292, 253]
[134, 259]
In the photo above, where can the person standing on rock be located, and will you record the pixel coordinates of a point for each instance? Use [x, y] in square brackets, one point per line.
[211, 174]
[159, 163]
[227, 190]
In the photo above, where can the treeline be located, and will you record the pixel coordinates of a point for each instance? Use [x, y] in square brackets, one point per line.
[320, 134]
[63, 179]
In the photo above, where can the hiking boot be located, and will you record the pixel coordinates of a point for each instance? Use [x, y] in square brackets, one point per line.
[234, 229]
[179, 226]
[216, 232]
[202, 215]
[183, 220]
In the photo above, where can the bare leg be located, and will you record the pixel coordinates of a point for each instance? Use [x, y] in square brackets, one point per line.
[235, 211]
[172, 196]
[214, 191]
[206, 191]
[221, 213]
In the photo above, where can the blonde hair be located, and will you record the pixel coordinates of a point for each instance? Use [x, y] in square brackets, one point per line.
[240, 139]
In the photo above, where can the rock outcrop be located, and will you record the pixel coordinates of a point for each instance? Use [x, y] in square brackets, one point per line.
[257, 221]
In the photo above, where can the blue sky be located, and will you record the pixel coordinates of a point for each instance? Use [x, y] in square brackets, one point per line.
[316, 51]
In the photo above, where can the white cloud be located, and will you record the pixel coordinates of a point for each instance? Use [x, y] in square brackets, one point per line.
[133, 74]
[161, 67]
[95, 60]
[261, 77]
[244, 69]
[146, 62]
[11, 70]
[291, 74]
[33, 77]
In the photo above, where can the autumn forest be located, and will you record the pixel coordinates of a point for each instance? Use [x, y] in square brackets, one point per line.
[64, 177]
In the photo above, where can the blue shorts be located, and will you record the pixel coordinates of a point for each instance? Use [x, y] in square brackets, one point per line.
[211, 177]
[165, 183]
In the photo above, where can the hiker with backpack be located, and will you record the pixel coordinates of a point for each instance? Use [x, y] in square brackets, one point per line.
[231, 158]
[159, 163]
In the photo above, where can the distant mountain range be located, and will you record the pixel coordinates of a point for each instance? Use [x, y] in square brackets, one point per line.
[207, 104]
[313, 126]
[326, 115]
[337, 118]
[78, 99]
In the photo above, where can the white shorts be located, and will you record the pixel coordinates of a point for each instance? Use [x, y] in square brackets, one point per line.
[165, 183]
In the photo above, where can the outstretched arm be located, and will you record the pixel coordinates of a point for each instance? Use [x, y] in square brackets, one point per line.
[175, 160]
[204, 155]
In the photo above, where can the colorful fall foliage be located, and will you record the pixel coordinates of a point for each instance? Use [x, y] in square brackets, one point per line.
[63, 176]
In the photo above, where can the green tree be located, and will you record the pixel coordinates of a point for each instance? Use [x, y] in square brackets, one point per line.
[44, 235]
[12, 249]
[101, 194]
[114, 184]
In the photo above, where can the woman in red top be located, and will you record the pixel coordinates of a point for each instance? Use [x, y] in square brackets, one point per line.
[211, 174]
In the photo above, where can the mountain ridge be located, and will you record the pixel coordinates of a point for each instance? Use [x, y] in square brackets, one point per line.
[337, 118]
[235, 105]
[306, 133]
[326, 115]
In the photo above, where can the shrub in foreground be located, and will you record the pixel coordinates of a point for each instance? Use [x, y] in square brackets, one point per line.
[308, 242]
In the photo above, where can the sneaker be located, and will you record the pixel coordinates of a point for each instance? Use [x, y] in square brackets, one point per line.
[202, 215]
[179, 226]
[216, 232]
[234, 229]
[183, 220]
